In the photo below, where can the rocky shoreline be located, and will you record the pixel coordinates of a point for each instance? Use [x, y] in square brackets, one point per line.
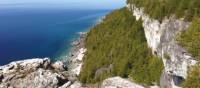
[77, 54]
[43, 73]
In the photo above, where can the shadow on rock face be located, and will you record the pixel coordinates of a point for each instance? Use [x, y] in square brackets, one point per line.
[1, 78]
[178, 80]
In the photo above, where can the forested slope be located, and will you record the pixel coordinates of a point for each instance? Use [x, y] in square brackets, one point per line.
[117, 47]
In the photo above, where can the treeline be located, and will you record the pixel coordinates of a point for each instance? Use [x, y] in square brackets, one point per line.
[159, 9]
[117, 47]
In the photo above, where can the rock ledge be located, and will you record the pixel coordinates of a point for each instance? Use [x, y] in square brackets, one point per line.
[33, 73]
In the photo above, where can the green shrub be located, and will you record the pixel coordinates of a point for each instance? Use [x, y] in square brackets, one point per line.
[190, 39]
[148, 72]
[118, 47]
[193, 79]
[167, 56]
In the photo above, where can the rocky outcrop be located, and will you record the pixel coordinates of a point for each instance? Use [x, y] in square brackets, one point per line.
[118, 82]
[59, 65]
[161, 38]
[77, 62]
[33, 73]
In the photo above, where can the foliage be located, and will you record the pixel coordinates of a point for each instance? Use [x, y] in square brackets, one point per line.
[159, 9]
[193, 79]
[117, 47]
[166, 56]
[190, 39]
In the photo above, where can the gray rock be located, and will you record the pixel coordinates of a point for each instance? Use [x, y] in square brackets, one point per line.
[59, 65]
[118, 82]
[32, 73]
[76, 84]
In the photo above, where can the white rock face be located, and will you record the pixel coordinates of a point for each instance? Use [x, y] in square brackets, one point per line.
[25, 65]
[161, 39]
[76, 85]
[31, 73]
[118, 82]
[81, 54]
[77, 61]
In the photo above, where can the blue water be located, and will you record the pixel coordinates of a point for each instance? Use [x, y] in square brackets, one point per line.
[39, 33]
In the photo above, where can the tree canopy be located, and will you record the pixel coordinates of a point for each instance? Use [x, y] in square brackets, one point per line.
[117, 47]
[158, 9]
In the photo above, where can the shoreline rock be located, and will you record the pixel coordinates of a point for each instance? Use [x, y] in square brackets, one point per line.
[77, 54]
[76, 62]
[59, 65]
[25, 65]
[32, 73]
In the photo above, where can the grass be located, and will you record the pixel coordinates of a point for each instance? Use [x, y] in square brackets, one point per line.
[190, 39]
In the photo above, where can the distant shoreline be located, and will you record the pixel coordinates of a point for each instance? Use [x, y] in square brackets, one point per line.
[74, 63]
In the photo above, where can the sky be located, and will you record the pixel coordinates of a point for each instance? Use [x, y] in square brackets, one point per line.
[81, 4]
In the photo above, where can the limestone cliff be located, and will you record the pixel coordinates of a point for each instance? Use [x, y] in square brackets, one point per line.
[161, 38]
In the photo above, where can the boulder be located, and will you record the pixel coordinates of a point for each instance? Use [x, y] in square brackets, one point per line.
[59, 65]
[32, 73]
